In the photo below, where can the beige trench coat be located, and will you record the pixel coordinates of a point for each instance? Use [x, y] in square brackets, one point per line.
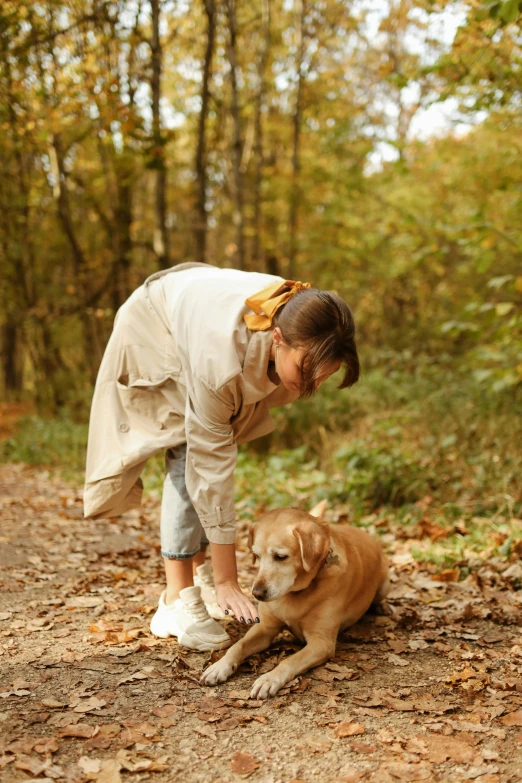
[181, 367]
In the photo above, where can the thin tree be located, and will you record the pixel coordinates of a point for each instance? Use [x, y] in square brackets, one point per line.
[158, 164]
[200, 227]
[295, 189]
[258, 129]
[237, 144]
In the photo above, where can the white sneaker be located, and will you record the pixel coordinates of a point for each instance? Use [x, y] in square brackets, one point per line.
[187, 619]
[205, 580]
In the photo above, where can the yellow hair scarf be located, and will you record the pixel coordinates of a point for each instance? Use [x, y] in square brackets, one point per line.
[267, 302]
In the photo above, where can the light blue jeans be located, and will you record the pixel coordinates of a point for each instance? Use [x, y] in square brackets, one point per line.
[182, 534]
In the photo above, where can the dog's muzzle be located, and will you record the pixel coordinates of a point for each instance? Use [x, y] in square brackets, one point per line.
[260, 593]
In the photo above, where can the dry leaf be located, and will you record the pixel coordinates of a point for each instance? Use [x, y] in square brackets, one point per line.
[243, 763]
[140, 764]
[440, 748]
[133, 677]
[53, 703]
[46, 745]
[362, 747]
[165, 711]
[80, 731]
[30, 764]
[206, 731]
[93, 703]
[512, 719]
[396, 660]
[448, 575]
[89, 766]
[110, 771]
[6, 694]
[347, 729]
[228, 724]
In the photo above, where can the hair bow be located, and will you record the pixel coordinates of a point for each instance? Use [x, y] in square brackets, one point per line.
[267, 302]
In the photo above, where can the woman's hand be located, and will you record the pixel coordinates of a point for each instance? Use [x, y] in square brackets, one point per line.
[232, 600]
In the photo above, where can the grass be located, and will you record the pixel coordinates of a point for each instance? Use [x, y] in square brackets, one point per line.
[58, 443]
[413, 441]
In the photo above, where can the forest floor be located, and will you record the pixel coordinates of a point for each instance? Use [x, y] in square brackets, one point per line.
[431, 691]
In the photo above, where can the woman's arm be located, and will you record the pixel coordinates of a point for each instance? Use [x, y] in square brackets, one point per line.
[209, 473]
[229, 595]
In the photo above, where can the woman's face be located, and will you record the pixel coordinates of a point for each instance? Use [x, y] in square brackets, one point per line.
[288, 362]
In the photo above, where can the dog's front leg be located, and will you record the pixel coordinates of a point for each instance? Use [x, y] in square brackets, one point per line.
[319, 648]
[255, 640]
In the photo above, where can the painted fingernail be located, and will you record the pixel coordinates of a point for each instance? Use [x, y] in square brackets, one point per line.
[258, 620]
[242, 619]
[249, 621]
[226, 611]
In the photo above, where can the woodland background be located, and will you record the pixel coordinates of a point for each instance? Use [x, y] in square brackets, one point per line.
[291, 137]
[372, 147]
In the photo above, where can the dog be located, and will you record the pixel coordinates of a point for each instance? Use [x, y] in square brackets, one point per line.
[314, 579]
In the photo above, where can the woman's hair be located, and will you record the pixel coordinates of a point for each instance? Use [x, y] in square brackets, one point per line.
[320, 323]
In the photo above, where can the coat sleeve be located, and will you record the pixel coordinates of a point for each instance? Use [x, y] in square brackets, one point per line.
[211, 458]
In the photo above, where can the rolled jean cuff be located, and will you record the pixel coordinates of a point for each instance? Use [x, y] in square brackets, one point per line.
[183, 555]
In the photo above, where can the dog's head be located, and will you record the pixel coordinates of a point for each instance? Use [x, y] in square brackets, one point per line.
[289, 546]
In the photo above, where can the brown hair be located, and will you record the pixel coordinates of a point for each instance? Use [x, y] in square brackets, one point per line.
[322, 324]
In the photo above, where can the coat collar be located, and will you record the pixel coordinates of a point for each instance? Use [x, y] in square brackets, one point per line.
[255, 368]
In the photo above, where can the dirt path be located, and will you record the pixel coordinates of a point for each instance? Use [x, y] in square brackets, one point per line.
[432, 692]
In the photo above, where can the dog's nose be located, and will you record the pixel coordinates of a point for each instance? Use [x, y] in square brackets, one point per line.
[259, 593]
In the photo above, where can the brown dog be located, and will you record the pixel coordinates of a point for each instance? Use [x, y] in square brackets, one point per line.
[314, 579]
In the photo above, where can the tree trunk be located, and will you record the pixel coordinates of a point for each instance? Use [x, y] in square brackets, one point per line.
[238, 216]
[11, 360]
[258, 143]
[61, 195]
[161, 239]
[295, 193]
[200, 229]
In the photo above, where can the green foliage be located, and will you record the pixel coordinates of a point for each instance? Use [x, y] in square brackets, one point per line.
[505, 11]
[373, 476]
[58, 443]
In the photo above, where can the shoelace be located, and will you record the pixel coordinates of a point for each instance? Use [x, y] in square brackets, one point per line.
[198, 611]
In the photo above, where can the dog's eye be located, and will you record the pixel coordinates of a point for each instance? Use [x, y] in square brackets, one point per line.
[280, 557]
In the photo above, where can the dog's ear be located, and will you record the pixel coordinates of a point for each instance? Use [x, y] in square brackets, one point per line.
[251, 533]
[319, 510]
[314, 543]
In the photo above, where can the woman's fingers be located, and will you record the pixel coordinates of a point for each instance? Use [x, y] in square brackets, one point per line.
[236, 603]
[243, 610]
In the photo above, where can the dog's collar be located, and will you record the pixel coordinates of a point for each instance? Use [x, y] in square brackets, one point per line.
[327, 558]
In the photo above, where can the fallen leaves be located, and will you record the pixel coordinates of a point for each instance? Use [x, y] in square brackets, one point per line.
[109, 633]
[243, 764]
[512, 719]
[469, 679]
[396, 660]
[90, 705]
[79, 731]
[459, 662]
[348, 729]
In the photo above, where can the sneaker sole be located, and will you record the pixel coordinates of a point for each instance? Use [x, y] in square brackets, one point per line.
[187, 641]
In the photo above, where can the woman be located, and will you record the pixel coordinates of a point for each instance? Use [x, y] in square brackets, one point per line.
[197, 358]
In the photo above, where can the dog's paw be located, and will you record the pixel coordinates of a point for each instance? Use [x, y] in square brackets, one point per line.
[267, 685]
[218, 672]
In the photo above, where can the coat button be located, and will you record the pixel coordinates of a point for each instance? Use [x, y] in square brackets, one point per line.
[160, 425]
[123, 427]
